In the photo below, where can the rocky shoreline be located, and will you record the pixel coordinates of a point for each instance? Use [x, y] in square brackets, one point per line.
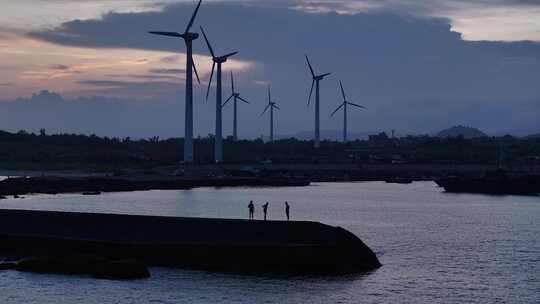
[94, 185]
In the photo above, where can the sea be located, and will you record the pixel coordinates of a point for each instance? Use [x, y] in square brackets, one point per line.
[435, 247]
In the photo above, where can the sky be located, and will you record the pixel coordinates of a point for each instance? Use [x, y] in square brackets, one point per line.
[418, 66]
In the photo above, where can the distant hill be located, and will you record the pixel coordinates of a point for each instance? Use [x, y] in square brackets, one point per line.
[533, 136]
[466, 132]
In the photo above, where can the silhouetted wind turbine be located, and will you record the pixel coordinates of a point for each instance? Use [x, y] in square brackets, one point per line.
[344, 106]
[235, 97]
[218, 139]
[190, 68]
[271, 105]
[315, 83]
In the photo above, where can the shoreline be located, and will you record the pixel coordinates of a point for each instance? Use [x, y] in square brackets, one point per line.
[184, 177]
[96, 185]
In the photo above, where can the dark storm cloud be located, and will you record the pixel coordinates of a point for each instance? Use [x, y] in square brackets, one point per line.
[412, 73]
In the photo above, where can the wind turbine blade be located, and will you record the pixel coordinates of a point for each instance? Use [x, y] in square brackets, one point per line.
[275, 106]
[170, 34]
[341, 106]
[208, 43]
[324, 75]
[230, 54]
[242, 99]
[311, 92]
[232, 83]
[190, 24]
[195, 70]
[310, 67]
[226, 101]
[210, 81]
[355, 105]
[342, 91]
[269, 95]
[266, 109]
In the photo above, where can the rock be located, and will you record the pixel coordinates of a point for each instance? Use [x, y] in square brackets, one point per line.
[7, 266]
[73, 265]
[84, 265]
[122, 270]
[91, 193]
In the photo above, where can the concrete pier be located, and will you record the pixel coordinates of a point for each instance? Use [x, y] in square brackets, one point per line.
[187, 242]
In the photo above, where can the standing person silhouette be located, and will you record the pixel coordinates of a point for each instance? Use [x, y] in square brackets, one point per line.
[287, 210]
[251, 208]
[265, 210]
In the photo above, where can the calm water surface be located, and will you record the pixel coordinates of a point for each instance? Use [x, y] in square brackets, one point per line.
[435, 247]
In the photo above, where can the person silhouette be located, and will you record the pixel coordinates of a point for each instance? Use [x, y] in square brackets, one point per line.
[287, 210]
[265, 210]
[251, 208]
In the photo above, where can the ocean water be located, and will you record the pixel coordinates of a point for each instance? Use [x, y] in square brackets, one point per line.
[435, 247]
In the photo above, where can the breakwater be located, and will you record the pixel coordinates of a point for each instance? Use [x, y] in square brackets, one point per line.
[187, 242]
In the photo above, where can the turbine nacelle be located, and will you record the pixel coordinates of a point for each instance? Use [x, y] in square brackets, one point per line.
[321, 77]
[216, 59]
[345, 101]
[190, 36]
[185, 36]
[316, 79]
[234, 94]
[223, 59]
[190, 68]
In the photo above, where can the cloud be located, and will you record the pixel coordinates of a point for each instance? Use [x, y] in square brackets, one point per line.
[60, 67]
[152, 88]
[414, 74]
[168, 71]
[510, 19]
[99, 115]
[171, 59]
[146, 77]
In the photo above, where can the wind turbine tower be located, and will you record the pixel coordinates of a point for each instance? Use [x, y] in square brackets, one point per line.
[344, 105]
[316, 83]
[218, 144]
[190, 68]
[271, 105]
[235, 97]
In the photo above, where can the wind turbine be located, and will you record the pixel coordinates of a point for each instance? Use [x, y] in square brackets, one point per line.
[190, 68]
[235, 97]
[316, 83]
[344, 105]
[218, 139]
[271, 105]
